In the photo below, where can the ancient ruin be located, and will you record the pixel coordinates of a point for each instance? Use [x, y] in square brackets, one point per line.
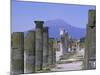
[38, 52]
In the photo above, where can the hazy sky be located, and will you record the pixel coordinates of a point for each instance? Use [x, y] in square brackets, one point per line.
[25, 13]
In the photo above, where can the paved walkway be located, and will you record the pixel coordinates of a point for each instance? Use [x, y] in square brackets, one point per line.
[74, 62]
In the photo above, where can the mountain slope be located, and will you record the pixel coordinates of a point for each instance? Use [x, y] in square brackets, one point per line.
[55, 25]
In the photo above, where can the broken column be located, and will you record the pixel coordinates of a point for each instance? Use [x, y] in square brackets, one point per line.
[66, 37]
[90, 46]
[45, 47]
[54, 50]
[52, 53]
[64, 40]
[29, 52]
[39, 45]
[70, 44]
[50, 57]
[17, 53]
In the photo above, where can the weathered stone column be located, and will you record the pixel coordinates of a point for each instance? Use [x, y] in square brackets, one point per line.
[70, 44]
[90, 44]
[17, 53]
[50, 57]
[52, 53]
[39, 45]
[66, 42]
[29, 52]
[45, 47]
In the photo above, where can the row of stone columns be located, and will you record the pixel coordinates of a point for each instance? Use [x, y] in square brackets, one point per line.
[33, 53]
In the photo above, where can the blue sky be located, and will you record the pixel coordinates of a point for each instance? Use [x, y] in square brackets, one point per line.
[25, 13]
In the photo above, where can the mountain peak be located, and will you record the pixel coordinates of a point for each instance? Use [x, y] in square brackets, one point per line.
[56, 24]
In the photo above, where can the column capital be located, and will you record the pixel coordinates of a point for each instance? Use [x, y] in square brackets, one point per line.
[39, 24]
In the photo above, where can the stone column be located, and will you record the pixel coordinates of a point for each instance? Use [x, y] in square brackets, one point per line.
[90, 44]
[70, 44]
[54, 50]
[66, 42]
[45, 47]
[52, 53]
[50, 57]
[17, 53]
[39, 45]
[29, 52]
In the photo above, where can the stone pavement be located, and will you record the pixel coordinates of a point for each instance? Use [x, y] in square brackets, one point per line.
[74, 62]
